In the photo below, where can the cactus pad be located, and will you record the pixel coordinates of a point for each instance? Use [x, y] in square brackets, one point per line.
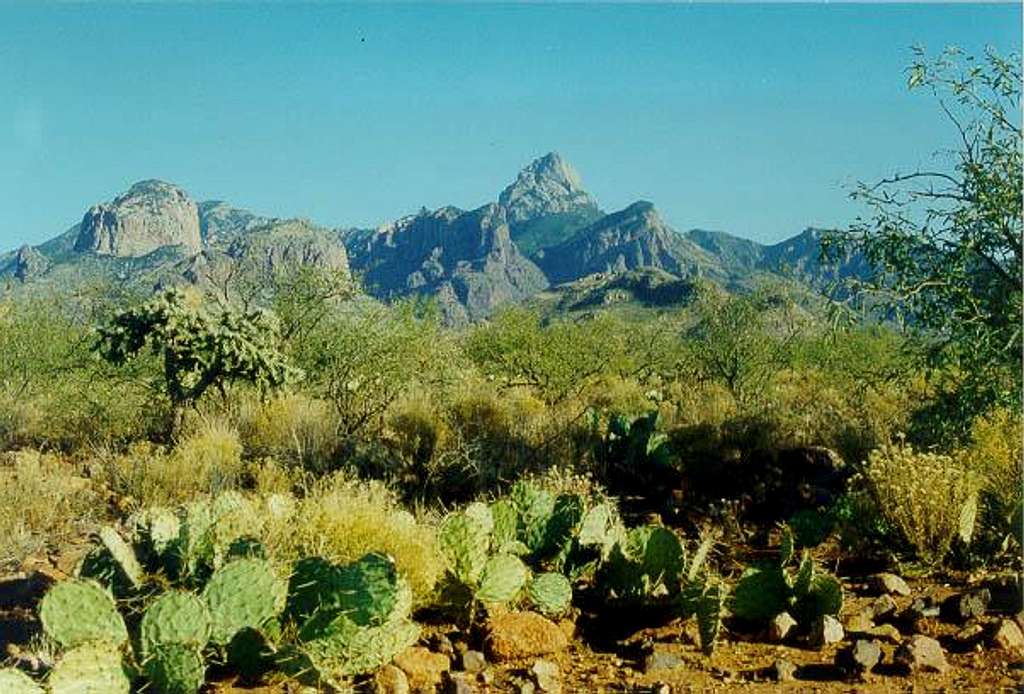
[550, 593]
[75, 612]
[176, 617]
[243, 593]
[94, 668]
[17, 682]
[464, 542]
[175, 669]
[505, 524]
[123, 555]
[342, 648]
[760, 594]
[504, 575]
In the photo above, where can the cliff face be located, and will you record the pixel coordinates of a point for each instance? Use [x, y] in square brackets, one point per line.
[151, 215]
[467, 259]
[631, 239]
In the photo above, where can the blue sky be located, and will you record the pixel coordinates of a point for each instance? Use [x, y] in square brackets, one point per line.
[754, 119]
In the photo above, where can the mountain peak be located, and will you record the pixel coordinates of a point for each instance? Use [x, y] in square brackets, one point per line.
[149, 215]
[547, 185]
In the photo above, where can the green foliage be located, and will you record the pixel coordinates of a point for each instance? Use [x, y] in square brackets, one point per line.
[945, 243]
[78, 612]
[550, 593]
[95, 667]
[243, 593]
[741, 341]
[765, 590]
[199, 348]
[175, 617]
[175, 668]
[16, 682]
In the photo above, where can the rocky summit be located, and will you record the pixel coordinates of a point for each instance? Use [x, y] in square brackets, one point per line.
[543, 230]
[151, 215]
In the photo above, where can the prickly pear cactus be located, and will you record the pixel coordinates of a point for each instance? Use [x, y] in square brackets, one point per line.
[309, 581]
[760, 594]
[157, 527]
[243, 593]
[249, 653]
[341, 648]
[505, 525]
[367, 590]
[16, 682]
[550, 593]
[92, 668]
[175, 668]
[464, 543]
[176, 617]
[648, 562]
[535, 507]
[123, 555]
[504, 575]
[79, 611]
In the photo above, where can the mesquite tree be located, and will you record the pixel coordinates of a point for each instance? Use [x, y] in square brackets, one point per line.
[945, 244]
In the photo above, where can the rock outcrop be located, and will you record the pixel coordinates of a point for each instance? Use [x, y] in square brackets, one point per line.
[466, 259]
[220, 222]
[28, 263]
[547, 204]
[630, 239]
[151, 215]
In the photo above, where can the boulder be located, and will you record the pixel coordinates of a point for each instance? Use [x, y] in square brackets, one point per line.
[515, 635]
[921, 654]
[423, 668]
[826, 630]
[888, 584]
[1008, 636]
[859, 658]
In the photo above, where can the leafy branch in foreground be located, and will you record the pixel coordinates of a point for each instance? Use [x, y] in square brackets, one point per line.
[946, 245]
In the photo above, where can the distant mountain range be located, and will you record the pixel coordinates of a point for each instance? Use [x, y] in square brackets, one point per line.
[544, 233]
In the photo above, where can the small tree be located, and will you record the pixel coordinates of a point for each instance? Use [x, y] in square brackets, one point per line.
[741, 340]
[945, 244]
[200, 349]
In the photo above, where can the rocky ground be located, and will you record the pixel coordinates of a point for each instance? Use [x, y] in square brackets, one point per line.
[893, 635]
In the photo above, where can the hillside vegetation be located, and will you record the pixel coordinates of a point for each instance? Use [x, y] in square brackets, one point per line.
[636, 480]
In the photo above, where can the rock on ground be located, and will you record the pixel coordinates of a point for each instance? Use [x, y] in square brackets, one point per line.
[826, 630]
[921, 654]
[390, 680]
[547, 677]
[424, 668]
[860, 657]
[522, 635]
[889, 584]
[1008, 636]
[780, 627]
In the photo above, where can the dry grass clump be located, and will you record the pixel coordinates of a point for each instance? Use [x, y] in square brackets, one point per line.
[929, 498]
[206, 461]
[995, 454]
[292, 428]
[342, 519]
[44, 502]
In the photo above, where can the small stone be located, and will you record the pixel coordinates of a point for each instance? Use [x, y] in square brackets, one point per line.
[889, 584]
[859, 658]
[516, 635]
[826, 630]
[969, 635]
[782, 671]
[965, 606]
[921, 654]
[424, 668]
[459, 683]
[473, 661]
[521, 686]
[661, 660]
[859, 623]
[883, 606]
[1008, 636]
[547, 676]
[780, 627]
[390, 680]
[661, 688]
[691, 633]
[886, 632]
[485, 677]
[442, 644]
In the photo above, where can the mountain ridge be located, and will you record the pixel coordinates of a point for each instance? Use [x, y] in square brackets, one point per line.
[542, 229]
